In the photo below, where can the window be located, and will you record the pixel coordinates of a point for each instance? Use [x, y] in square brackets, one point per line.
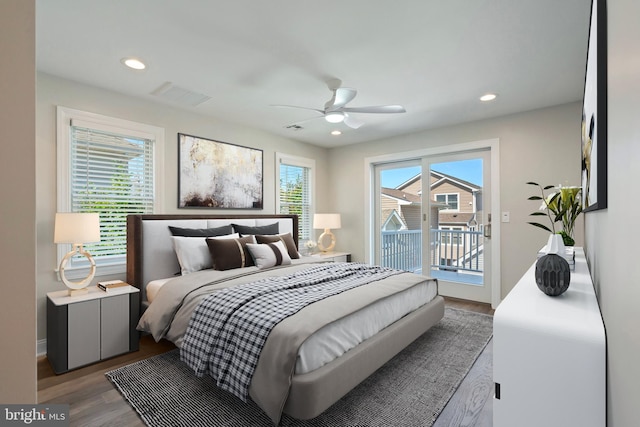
[295, 191]
[108, 166]
[449, 199]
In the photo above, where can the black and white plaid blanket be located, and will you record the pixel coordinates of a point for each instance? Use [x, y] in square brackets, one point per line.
[228, 328]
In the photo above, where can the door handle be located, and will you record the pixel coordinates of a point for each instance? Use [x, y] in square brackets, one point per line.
[487, 231]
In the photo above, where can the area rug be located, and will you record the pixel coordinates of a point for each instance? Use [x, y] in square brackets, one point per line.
[409, 390]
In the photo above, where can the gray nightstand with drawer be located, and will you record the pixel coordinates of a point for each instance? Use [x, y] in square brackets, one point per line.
[88, 328]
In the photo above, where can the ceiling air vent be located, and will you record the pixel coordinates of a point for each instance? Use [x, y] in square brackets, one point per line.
[294, 127]
[179, 95]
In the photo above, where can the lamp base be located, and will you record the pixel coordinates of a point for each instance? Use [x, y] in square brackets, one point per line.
[328, 234]
[79, 287]
[78, 292]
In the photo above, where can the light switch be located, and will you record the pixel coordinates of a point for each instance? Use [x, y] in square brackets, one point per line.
[505, 216]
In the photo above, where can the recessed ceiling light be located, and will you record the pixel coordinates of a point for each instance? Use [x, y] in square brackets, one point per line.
[488, 97]
[336, 132]
[134, 63]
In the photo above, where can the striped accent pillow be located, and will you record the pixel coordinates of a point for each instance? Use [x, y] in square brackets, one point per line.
[269, 254]
[227, 254]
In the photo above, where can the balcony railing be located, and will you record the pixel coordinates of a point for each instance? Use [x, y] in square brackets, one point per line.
[452, 251]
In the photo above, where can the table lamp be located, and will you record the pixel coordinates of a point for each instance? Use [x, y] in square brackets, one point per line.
[327, 222]
[77, 229]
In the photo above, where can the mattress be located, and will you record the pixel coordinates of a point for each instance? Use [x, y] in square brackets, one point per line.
[153, 288]
[335, 339]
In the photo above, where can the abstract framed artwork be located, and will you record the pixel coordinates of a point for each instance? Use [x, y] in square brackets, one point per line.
[594, 113]
[214, 174]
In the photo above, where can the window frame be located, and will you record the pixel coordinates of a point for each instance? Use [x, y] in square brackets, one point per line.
[287, 159]
[64, 117]
[446, 197]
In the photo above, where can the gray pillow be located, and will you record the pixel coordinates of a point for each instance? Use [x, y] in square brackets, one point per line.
[201, 232]
[246, 230]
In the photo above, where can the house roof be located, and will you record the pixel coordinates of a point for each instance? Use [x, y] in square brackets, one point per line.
[455, 217]
[443, 176]
[400, 195]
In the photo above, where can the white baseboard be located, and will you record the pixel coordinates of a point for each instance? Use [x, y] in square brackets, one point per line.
[41, 348]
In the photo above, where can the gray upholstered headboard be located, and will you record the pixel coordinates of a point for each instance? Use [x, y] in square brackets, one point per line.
[150, 253]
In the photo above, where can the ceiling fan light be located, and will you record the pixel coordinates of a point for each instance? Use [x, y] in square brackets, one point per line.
[335, 117]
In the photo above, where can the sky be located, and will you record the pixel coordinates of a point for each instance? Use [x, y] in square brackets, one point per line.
[468, 170]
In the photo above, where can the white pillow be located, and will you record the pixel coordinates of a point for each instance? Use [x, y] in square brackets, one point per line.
[226, 236]
[269, 254]
[193, 253]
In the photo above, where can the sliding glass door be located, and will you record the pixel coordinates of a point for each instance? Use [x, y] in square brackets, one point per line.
[430, 218]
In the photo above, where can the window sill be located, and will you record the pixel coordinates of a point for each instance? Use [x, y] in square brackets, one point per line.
[101, 270]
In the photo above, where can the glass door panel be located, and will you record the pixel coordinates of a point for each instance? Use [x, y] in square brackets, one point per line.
[458, 227]
[398, 206]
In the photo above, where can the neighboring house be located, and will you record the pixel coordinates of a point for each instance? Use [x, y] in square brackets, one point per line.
[456, 206]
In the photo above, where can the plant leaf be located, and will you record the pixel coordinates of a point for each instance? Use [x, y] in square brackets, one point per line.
[544, 227]
[548, 187]
[538, 213]
[535, 198]
[533, 183]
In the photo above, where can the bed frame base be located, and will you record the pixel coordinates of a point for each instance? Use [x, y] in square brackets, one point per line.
[314, 392]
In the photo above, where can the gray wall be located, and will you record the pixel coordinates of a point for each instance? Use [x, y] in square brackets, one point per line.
[53, 91]
[611, 235]
[17, 192]
[541, 145]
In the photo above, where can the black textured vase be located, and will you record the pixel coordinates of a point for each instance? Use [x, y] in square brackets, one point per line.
[552, 274]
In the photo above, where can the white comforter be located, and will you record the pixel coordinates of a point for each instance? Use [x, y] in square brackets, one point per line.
[344, 334]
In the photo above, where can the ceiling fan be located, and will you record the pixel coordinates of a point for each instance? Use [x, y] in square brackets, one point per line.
[336, 111]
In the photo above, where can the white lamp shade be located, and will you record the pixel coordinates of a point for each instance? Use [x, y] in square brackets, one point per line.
[327, 220]
[77, 228]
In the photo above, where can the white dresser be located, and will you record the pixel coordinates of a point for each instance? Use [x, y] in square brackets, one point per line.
[549, 355]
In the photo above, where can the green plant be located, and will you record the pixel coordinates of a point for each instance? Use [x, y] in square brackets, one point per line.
[563, 205]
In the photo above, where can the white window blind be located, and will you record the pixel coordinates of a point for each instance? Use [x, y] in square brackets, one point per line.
[111, 174]
[295, 191]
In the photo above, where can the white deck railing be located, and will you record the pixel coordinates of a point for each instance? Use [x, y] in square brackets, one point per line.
[452, 250]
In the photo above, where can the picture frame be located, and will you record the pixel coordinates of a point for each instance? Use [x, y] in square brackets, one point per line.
[594, 113]
[218, 175]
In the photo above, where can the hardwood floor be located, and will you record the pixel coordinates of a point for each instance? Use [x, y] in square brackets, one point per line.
[94, 401]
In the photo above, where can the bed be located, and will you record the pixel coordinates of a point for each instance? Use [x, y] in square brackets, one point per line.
[293, 383]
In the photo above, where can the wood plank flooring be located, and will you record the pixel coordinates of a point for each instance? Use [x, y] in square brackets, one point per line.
[95, 402]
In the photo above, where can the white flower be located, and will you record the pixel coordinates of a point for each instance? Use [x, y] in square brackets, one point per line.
[310, 244]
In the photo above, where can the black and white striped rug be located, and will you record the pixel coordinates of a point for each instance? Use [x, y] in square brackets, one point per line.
[410, 390]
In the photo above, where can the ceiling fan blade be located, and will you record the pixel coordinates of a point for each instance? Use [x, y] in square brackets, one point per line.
[378, 109]
[341, 97]
[352, 122]
[295, 106]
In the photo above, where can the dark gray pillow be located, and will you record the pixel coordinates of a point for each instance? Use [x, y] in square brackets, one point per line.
[246, 230]
[201, 232]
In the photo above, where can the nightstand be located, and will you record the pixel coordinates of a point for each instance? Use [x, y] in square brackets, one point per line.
[88, 328]
[335, 256]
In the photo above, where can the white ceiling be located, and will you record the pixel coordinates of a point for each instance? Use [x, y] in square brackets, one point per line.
[434, 57]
